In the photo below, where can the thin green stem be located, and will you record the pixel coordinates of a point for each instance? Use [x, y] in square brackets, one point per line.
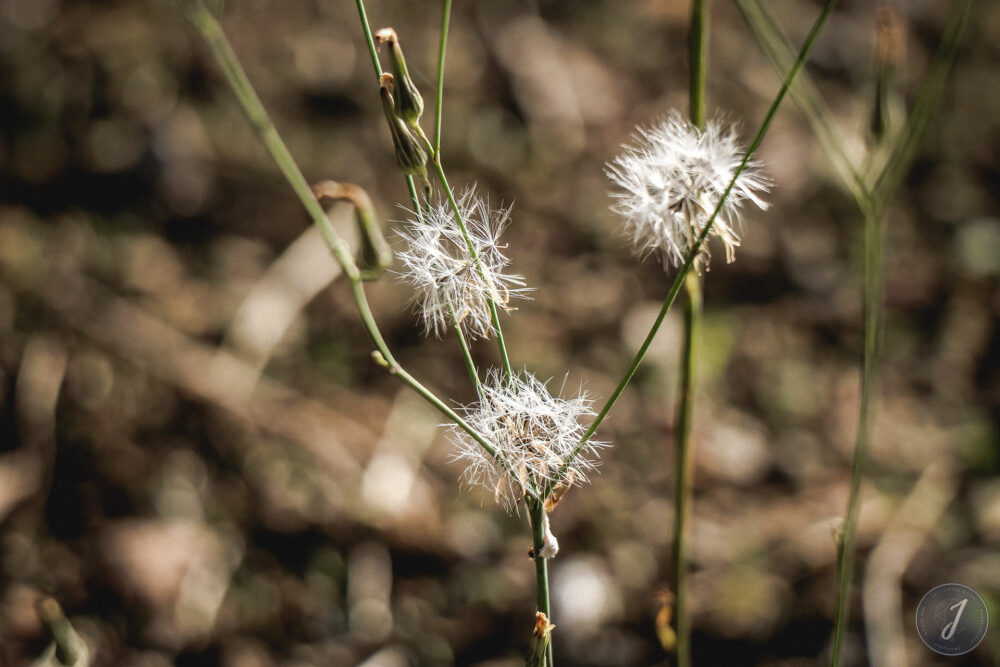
[368, 37]
[414, 199]
[699, 242]
[470, 365]
[683, 467]
[67, 647]
[439, 107]
[873, 276]
[698, 61]
[683, 458]
[536, 514]
[494, 313]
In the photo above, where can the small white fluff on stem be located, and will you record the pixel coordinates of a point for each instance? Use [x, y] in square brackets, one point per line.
[532, 432]
[672, 179]
[445, 277]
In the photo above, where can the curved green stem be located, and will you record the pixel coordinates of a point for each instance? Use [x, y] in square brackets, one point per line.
[207, 25]
[699, 242]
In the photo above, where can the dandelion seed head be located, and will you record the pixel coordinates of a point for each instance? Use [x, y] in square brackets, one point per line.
[448, 282]
[670, 181]
[532, 433]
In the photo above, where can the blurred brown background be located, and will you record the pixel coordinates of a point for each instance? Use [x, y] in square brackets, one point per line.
[187, 509]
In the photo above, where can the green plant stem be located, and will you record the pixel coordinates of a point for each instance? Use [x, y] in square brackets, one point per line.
[683, 468]
[536, 514]
[874, 232]
[698, 61]
[414, 199]
[494, 313]
[67, 647]
[470, 365]
[807, 46]
[439, 107]
[207, 25]
[884, 187]
[873, 196]
[372, 50]
[210, 30]
[683, 457]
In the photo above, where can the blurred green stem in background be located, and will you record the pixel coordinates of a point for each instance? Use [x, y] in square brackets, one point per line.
[208, 26]
[874, 259]
[873, 192]
[675, 287]
[67, 648]
[683, 456]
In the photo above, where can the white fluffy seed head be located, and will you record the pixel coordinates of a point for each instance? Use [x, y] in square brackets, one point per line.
[448, 283]
[532, 433]
[670, 182]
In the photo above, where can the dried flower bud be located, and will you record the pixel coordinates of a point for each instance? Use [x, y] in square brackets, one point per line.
[376, 255]
[539, 640]
[410, 155]
[409, 103]
[890, 48]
